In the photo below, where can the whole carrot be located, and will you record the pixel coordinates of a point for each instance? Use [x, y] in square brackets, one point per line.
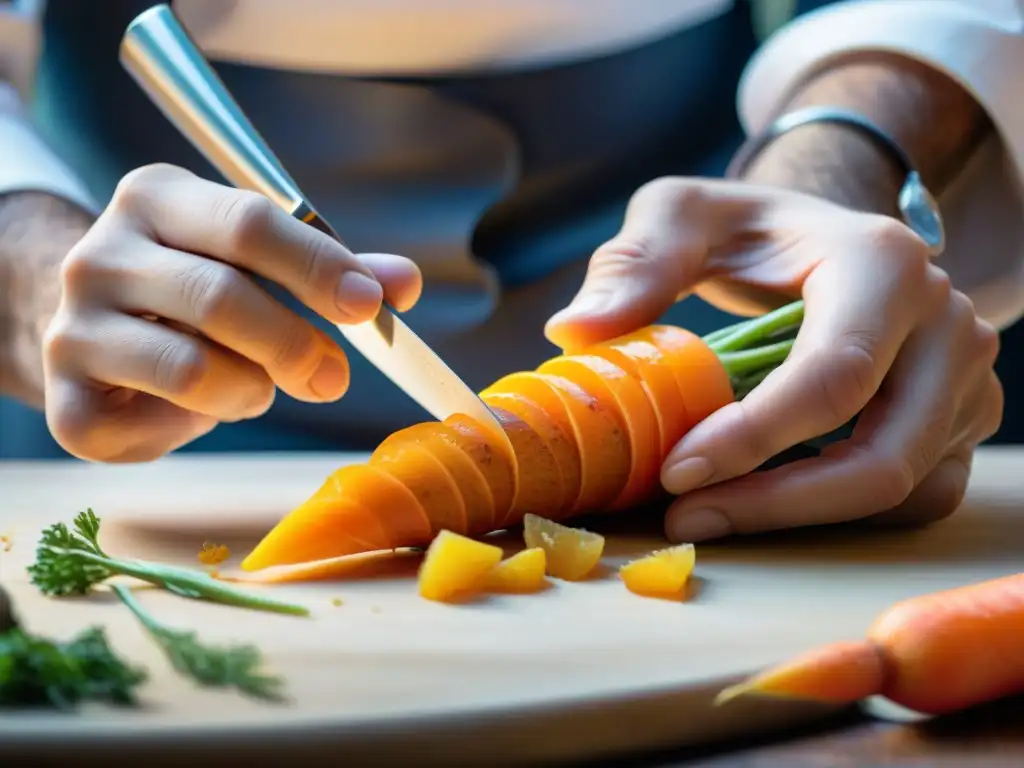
[934, 654]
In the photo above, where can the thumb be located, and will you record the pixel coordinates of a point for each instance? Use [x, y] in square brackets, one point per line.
[631, 280]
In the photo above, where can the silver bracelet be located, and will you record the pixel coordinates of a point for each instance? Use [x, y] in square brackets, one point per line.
[917, 206]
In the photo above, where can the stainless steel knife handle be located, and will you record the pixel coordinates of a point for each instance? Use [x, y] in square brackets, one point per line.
[167, 64]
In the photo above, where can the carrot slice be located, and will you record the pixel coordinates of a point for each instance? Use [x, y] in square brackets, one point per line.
[702, 379]
[443, 442]
[602, 443]
[498, 472]
[407, 524]
[561, 445]
[429, 481]
[540, 483]
[645, 361]
[611, 384]
[318, 530]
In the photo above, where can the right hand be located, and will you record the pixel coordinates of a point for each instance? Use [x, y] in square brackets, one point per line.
[161, 334]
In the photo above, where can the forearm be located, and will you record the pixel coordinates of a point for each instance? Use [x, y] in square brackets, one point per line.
[36, 232]
[936, 121]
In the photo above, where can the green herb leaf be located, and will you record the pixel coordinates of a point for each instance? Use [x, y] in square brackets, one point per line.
[72, 563]
[231, 667]
[37, 672]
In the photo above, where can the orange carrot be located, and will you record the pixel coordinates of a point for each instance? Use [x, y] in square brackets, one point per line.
[933, 654]
[589, 431]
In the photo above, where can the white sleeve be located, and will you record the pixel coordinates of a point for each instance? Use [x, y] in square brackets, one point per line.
[980, 43]
[26, 162]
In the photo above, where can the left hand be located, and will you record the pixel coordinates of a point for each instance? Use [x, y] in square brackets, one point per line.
[884, 335]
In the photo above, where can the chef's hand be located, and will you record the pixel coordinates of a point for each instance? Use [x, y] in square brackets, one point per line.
[884, 332]
[161, 333]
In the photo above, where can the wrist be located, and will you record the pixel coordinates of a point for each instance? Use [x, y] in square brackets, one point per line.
[831, 161]
[36, 231]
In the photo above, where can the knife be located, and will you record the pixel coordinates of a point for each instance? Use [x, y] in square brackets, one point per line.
[168, 66]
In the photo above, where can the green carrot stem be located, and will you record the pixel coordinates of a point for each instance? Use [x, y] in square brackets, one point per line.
[722, 333]
[745, 385]
[195, 585]
[750, 361]
[757, 330]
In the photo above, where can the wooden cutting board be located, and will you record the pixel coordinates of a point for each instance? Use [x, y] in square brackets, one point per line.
[581, 671]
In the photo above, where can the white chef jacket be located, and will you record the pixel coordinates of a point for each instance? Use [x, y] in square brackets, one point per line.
[978, 42]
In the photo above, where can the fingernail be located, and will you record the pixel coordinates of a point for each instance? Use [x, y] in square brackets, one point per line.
[330, 380]
[697, 525]
[687, 475]
[359, 296]
[592, 302]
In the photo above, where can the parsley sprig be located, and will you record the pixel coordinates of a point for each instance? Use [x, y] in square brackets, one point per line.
[229, 667]
[70, 561]
[38, 672]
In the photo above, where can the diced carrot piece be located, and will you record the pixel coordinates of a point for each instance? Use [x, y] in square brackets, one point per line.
[572, 553]
[523, 572]
[455, 567]
[663, 573]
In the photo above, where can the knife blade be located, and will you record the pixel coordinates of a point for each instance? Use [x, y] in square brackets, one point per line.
[168, 66]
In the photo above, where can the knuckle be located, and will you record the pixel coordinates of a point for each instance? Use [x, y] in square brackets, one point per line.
[986, 341]
[938, 287]
[209, 291]
[847, 379]
[673, 189]
[297, 349]
[248, 217]
[893, 484]
[61, 340]
[992, 408]
[180, 367]
[322, 265]
[83, 264]
[757, 442]
[135, 189]
[888, 235]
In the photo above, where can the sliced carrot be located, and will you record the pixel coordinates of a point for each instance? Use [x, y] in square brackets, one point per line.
[540, 482]
[603, 445]
[645, 361]
[561, 445]
[443, 442]
[702, 379]
[611, 384]
[407, 521]
[318, 530]
[429, 481]
[498, 472]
